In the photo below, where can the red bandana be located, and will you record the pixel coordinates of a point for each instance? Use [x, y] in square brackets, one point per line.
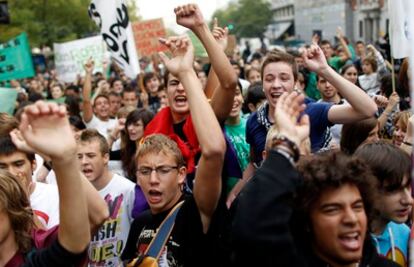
[162, 123]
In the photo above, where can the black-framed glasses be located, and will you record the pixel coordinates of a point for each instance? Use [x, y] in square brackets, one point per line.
[161, 171]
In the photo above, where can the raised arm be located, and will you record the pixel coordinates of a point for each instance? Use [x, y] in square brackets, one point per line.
[221, 35]
[190, 17]
[263, 211]
[344, 45]
[207, 186]
[360, 106]
[381, 63]
[97, 208]
[45, 128]
[86, 92]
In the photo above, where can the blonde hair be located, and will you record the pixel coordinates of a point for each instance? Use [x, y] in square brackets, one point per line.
[402, 117]
[159, 143]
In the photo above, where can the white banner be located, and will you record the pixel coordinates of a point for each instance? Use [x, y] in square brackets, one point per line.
[71, 56]
[399, 27]
[112, 18]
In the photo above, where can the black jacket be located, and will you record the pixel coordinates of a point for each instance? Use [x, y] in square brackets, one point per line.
[262, 230]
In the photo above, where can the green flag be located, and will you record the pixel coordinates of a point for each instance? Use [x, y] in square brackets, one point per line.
[198, 46]
[16, 59]
[7, 100]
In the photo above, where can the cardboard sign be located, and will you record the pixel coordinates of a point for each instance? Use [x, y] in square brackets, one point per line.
[71, 56]
[146, 34]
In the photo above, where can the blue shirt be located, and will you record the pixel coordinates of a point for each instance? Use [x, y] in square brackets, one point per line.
[319, 123]
[393, 242]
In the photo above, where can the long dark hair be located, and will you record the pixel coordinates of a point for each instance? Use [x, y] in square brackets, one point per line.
[128, 147]
[355, 133]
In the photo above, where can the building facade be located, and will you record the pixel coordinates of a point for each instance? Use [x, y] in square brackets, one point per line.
[365, 20]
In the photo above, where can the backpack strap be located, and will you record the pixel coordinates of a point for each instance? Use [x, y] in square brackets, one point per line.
[158, 242]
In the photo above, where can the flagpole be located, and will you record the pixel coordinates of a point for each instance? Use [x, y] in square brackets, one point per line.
[411, 85]
[393, 74]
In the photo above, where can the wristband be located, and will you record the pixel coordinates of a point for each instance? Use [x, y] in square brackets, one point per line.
[283, 141]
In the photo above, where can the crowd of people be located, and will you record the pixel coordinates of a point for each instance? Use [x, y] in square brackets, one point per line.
[270, 158]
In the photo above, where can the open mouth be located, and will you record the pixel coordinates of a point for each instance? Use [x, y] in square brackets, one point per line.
[154, 196]
[276, 95]
[180, 99]
[351, 241]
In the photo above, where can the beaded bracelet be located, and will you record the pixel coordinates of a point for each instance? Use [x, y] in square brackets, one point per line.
[281, 140]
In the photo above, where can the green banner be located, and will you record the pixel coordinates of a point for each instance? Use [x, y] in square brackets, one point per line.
[16, 59]
[7, 100]
[199, 49]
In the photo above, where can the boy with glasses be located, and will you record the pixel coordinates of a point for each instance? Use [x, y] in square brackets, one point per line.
[161, 174]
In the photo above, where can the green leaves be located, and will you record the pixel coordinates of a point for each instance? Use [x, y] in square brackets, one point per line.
[247, 18]
[49, 21]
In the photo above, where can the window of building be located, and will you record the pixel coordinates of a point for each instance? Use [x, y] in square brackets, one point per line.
[361, 29]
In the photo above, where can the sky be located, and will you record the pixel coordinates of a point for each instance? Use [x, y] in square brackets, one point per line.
[151, 9]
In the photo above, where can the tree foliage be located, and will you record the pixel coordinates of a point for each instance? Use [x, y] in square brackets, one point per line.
[49, 21]
[248, 18]
[133, 11]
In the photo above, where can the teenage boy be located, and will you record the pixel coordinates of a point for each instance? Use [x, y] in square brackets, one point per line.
[330, 223]
[279, 75]
[45, 129]
[118, 192]
[175, 121]
[161, 174]
[392, 170]
[44, 198]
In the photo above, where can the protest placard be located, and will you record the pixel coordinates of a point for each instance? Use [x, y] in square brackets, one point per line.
[113, 21]
[16, 59]
[146, 35]
[400, 36]
[71, 56]
[8, 98]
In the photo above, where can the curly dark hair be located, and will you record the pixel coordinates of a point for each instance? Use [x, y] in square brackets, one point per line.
[332, 170]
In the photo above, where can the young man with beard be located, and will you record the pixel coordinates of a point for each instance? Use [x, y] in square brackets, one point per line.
[328, 92]
[161, 174]
[118, 192]
[175, 121]
[316, 217]
[96, 115]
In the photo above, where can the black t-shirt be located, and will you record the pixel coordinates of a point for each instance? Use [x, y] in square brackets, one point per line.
[55, 255]
[187, 244]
